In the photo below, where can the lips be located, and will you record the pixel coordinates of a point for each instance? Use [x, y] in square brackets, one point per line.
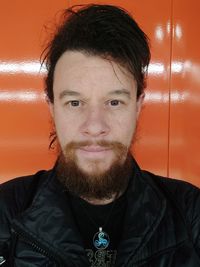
[94, 148]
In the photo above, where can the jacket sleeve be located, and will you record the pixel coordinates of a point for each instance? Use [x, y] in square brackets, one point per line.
[187, 197]
[12, 195]
[5, 219]
[193, 215]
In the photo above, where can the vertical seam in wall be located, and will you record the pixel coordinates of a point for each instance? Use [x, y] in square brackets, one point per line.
[170, 83]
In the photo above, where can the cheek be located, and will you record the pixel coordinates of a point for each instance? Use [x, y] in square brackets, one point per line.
[65, 128]
[125, 128]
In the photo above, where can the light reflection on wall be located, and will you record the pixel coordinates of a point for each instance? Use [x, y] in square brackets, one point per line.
[177, 67]
[156, 97]
[159, 97]
[22, 67]
[26, 95]
[168, 27]
[179, 97]
[178, 32]
[156, 68]
[159, 33]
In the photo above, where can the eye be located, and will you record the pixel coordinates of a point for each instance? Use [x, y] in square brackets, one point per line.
[115, 102]
[74, 103]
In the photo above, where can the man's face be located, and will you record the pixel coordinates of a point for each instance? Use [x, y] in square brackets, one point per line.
[95, 110]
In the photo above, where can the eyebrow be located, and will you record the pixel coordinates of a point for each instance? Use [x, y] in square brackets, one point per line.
[120, 92]
[68, 93]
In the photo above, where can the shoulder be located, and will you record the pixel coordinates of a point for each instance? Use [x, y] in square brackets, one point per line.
[180, 191]
[183, 196]
[15, 192]
[16, 195]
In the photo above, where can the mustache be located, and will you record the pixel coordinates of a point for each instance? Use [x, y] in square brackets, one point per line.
[114, 145]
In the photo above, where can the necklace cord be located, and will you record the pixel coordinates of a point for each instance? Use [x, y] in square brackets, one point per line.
[108, 217]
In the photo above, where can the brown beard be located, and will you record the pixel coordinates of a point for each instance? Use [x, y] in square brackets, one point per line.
[99, 184]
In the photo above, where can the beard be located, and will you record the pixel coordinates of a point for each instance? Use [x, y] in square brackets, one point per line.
[96, 184]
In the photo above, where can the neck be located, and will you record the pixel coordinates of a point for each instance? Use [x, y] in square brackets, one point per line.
[104, 201]
[94, 201]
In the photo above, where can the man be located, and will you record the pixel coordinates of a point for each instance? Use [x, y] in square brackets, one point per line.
[96, 207]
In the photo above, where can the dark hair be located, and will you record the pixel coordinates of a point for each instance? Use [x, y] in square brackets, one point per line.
[103, 30]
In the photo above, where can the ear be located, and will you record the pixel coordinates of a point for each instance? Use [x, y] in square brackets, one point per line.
[139, 103]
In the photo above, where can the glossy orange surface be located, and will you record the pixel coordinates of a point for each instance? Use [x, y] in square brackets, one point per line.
[25, 121]
[184, 145]
[168, 131]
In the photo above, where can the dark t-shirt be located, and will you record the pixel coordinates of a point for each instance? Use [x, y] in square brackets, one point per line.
[89, 218]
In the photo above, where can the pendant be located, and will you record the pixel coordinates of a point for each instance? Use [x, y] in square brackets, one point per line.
[101, 239]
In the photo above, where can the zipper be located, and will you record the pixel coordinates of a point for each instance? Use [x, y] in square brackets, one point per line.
[36, 246]
[2, 260]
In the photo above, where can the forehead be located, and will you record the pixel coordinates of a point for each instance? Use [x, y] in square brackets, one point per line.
[80, 71]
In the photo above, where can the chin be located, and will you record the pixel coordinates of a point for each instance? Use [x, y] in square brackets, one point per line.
[95, 166]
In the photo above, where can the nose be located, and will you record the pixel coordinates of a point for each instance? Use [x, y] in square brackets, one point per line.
[95, 124]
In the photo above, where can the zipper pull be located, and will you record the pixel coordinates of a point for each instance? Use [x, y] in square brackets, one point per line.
[2, 260]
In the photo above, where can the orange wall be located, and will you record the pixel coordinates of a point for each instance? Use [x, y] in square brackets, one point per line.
[169, 129]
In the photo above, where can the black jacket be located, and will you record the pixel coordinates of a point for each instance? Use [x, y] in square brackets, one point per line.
[162, 224]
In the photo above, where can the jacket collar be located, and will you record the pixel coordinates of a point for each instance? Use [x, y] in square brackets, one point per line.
[49, 220]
